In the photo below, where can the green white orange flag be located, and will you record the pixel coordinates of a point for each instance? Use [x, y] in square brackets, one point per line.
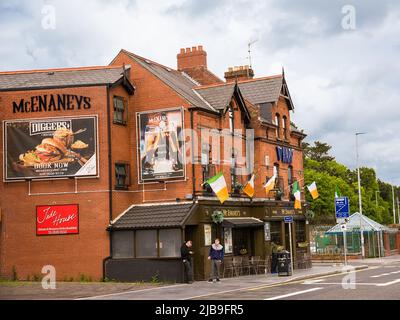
[313, 190]
[218, 185]
[296, 193]
[249, 187]
[337, 193]
[270, 185]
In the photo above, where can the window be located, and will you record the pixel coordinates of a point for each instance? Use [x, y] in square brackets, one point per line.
[276, 232]
[284, 126]
[122, 176]
[231, 120]
[234, 179]
[276, 170]
[120, 114]
[300, 231]
[290, 175]
[392, 241]
[146, 243]
[122, 244]
[278, 125]
[170, 242]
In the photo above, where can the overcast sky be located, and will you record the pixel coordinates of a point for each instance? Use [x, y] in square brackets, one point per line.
[343, 74]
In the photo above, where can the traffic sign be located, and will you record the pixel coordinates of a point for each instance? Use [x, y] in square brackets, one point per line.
[342, 207]
[288, 219]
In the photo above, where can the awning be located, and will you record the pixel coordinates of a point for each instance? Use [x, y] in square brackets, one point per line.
[249, 222]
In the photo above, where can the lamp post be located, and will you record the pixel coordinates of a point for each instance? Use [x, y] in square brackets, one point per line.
[359, 197]
[394, 208]
[376, 197]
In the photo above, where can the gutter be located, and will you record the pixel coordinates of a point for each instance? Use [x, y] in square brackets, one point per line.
[192, 138]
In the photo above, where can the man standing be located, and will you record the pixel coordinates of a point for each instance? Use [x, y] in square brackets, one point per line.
[216, 256]
[186, 255]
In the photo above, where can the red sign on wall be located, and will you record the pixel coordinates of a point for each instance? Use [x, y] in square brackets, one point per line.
[59, 219]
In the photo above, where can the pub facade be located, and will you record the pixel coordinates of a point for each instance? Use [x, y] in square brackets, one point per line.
[161, 135]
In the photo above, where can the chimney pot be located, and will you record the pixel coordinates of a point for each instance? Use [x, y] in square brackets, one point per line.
[239, 73]
[187, 50]
[182, 50]
[194, 49]
[200, 48]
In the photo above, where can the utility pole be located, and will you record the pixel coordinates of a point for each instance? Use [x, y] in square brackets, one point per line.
[359, 197]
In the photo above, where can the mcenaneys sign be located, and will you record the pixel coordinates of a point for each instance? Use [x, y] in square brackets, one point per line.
[50, 148]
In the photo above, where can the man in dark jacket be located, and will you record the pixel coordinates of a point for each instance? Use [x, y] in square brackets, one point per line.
[216, 255]
[186, 255]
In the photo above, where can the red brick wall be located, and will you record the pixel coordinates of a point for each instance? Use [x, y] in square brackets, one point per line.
[71, 255]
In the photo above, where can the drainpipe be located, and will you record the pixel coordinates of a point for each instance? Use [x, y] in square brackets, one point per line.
[192, 138]
[109, 174]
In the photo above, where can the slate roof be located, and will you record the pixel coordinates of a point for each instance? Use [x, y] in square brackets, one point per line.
[60, 78]
[182, 83]
[257, 91]
[153, 216]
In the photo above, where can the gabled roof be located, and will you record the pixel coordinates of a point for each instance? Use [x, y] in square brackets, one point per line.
[262, 90]
[257, 91]
[180, 82]
[153, 216]
[355, 221]
[67, 77]
[218, 96]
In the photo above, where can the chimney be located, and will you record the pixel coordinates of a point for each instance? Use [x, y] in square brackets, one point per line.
[192, 58]
[240, 73]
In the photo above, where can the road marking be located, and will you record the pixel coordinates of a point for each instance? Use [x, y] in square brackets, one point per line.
[301, 281]
[385, 274]
[388, 283]
[293, 294]
[380, 275]
[128, 292]
[313, 281]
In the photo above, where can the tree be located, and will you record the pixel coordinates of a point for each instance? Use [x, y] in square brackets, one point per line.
[318, 152]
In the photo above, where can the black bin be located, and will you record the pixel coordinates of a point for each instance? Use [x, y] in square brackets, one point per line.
[284, 263]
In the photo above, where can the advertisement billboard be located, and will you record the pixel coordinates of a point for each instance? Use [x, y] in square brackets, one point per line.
[161, 144]
[57, 219]
[49, 148]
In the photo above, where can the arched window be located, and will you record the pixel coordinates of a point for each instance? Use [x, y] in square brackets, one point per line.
[290, 175]
[284, 126]
[278, 125]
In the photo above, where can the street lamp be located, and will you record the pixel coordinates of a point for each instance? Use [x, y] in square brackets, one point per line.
[359, 197]
[376, 197]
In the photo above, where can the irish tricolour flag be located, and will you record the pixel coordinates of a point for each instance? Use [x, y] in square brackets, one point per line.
[313, 190]
[296, 193]
[218, 185]
[249, 187]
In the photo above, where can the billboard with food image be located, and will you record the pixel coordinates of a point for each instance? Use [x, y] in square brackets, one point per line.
[161, 144]
[50, 148]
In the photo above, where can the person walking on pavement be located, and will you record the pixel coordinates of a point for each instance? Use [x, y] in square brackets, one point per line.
[216, 255]
[186, 255]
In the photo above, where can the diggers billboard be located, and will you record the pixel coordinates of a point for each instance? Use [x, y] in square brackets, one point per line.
[49, 148]
[161, 144]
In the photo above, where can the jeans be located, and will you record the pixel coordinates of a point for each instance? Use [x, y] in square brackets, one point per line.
[188, 270]
[215, 267]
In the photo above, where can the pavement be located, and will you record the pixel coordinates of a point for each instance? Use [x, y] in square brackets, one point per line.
[363, 279]
[226, 287]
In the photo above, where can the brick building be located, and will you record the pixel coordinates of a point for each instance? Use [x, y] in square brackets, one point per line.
[162, 133]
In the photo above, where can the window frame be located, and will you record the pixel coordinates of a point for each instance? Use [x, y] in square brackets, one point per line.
[127, 177]
[123, 120]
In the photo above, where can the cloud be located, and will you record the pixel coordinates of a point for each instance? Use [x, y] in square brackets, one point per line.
[342, 81]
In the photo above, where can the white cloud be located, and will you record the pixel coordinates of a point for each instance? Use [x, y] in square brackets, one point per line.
[341, 81]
